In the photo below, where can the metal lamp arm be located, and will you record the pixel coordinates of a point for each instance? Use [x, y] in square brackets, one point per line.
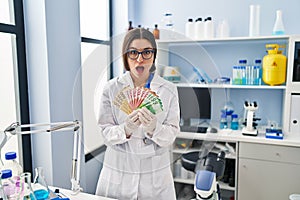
[16, 128]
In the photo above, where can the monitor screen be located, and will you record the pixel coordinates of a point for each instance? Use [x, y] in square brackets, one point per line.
[195, 103]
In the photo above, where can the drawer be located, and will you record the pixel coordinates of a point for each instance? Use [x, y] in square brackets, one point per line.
[269, 152]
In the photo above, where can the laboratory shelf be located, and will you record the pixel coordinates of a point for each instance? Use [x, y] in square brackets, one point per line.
[224, 40]
[230, 86]
[182, 151]
[222, 185]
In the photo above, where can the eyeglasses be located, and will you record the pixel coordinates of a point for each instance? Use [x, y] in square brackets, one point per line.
[146, 54]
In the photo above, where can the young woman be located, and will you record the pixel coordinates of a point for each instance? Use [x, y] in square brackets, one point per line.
[137, 159]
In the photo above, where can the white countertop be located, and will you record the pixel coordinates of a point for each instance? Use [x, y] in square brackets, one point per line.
[229, 135]
[65, 193]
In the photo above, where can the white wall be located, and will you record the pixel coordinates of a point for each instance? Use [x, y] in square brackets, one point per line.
[147, 13]
[53, 58]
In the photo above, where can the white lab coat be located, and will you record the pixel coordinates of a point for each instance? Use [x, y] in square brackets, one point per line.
[132, 168]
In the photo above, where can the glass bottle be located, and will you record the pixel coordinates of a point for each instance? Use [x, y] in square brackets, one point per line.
[223, 121]
[2, 194]
[234, 122]
[12, 163]
[40, 186]
[278, 28]
[27, 192]
[9, 186]
[156, 32]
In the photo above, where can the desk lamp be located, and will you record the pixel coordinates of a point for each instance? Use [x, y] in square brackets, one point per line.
[16, 128]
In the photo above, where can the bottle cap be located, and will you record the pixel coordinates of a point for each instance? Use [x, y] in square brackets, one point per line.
[190, 20]
[10, 155]
[208, 18]
[7, 173]
[234, 116]
[257, 61]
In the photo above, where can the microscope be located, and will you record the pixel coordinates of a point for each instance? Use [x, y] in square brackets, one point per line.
[250, 125]
[209, 167]
[209, 170]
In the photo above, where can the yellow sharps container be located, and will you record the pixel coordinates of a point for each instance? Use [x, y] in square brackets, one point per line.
[274, 65]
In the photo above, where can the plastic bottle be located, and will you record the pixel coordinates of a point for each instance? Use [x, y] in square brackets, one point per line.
[234, 122]
[278, 28]
[168, 25]
[223, 121]
[189, 28]
[199, 29]
[156, 32]
[12, 163]
[208, 28]
[9, 186]
[223, 29]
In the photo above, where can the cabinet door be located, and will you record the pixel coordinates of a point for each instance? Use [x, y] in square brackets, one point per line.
[262, 180]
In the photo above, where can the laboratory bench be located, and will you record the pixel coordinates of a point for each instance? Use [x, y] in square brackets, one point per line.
[264, 168]
[66, 193]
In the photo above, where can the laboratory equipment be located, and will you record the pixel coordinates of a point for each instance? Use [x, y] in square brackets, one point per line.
[200, 111]
[156, 32]
[171, 73]
[199, 29]
[9, 185]
[209, 168]
[254, 22]
[2, 195]
[209, 30]
[75, 126]
[278, 28]
[234, 122]
[250, 128]
[27, 192]
[223, 121]
[274, 65]
[40, 186]
[190, 28]
[12, 164]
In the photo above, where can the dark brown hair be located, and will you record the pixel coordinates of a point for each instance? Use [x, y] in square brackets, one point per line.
[138, 33]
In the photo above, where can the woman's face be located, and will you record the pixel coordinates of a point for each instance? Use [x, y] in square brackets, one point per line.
[140, 59]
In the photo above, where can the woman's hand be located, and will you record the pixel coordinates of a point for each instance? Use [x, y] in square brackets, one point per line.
[148, 120]
[132, 122]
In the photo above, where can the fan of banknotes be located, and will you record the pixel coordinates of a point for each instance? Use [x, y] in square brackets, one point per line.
[130, 99]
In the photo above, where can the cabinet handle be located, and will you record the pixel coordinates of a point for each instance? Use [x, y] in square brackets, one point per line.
[277, 154]
[244, 166]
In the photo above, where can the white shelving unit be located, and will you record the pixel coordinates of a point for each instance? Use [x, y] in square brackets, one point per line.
[282, 93]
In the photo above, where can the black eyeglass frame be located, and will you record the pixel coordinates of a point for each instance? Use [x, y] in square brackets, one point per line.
[140, 53]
